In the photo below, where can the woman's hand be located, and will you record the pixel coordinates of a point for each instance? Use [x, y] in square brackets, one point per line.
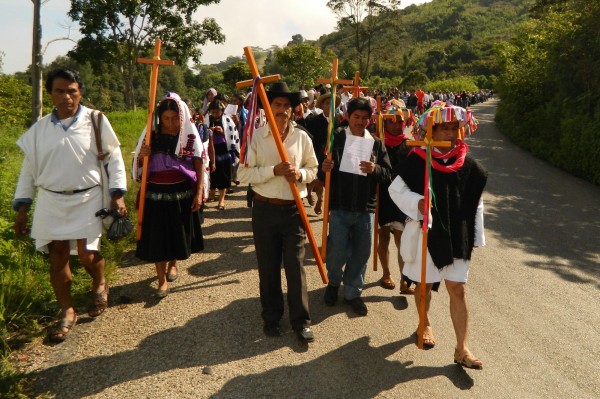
[197, 201]
[145, 150]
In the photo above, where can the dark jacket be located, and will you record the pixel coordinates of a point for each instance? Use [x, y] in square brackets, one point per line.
[456, 197]
[352, 192]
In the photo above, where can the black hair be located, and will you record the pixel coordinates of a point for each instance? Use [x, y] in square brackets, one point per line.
[64, 73]
[216, 104]
[358, 104]
[167, 105]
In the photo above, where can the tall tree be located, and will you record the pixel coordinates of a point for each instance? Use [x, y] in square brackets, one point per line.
[363, 18]
[119, 31]
[303, 63]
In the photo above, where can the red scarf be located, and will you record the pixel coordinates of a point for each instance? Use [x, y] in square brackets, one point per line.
[394, 141]
[459, 151]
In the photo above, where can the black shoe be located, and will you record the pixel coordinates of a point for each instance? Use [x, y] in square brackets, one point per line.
[272, 329]
[358, 306]
[306, 334]
[331, 295]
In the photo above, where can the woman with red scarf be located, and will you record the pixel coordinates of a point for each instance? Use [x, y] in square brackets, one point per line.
[391, 219]
[456, 219]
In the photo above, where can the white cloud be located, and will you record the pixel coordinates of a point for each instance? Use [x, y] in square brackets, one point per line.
[257, 23]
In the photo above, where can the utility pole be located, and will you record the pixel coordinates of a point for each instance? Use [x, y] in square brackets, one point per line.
[36, 64]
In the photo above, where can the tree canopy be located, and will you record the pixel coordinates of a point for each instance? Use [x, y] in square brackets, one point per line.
[117, 32]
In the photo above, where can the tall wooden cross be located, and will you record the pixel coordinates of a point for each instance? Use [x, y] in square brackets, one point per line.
[333, 81]
[155, 62]
[379, 123]
[356, 87]
[260, 88]
[428, 143]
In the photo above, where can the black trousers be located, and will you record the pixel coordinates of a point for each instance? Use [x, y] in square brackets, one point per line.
[279, 239]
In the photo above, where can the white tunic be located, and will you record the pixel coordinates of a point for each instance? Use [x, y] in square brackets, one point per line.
[59, 159]
[408, 201]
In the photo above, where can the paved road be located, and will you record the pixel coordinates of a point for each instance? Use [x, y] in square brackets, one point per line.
[534, 292]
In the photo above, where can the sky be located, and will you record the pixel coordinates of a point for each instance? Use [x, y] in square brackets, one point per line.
[279, 21]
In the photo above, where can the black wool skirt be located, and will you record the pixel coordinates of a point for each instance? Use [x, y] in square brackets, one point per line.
[170, 230]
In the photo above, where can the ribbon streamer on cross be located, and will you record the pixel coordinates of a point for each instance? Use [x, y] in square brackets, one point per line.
[155, 62]
[333, 81]
[428, 143]
[260, 89]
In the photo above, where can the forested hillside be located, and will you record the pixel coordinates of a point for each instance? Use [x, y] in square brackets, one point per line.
[433, 41]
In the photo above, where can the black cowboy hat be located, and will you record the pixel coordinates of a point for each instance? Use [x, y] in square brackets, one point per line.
[281, 89]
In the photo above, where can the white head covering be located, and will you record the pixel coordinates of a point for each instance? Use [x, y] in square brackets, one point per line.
[186, 129]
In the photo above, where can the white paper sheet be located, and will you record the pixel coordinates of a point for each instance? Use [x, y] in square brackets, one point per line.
[356, 149]
[230, 109]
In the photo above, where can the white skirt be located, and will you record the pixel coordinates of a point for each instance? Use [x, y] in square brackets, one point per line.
[458, 271]
[60, 217]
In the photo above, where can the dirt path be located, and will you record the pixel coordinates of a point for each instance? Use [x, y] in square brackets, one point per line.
[534, 293]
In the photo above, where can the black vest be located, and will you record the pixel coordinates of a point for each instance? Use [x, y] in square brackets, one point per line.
[455, 198]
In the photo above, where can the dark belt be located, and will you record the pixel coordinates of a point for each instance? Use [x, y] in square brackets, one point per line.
[71, 192]
[274, 201]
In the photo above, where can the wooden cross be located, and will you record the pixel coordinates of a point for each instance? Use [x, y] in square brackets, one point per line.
[356, 88]
[260, 89]
[428, 143]
[155, 62]
[379, 118]
[333, 81]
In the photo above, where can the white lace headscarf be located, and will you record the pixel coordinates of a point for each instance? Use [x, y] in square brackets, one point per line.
[186, 128]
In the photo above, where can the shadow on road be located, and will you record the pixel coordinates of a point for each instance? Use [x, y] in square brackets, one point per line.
[538, 208]
[234, 333]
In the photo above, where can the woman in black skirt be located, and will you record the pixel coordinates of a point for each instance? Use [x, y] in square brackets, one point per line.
[226, 142]
[171, 228]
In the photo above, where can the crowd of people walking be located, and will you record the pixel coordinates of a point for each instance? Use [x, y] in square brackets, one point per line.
[197, 155]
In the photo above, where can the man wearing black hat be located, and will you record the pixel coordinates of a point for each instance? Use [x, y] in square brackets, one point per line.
[278, 232]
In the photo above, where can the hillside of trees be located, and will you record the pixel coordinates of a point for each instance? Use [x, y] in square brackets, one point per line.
[418, 45]
[542, 56]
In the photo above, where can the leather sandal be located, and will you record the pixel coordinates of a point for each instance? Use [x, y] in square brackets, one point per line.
[387, 282]
[99, 302]
[61, 331]
[428, 339]
[318, 205]
[405, 289]
[467, 361]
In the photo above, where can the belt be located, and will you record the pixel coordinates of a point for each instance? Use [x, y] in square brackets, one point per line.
[274, 201]
[71, 192]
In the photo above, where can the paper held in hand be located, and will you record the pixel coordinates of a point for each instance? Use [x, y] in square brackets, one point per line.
[356, 150]
[230, 110]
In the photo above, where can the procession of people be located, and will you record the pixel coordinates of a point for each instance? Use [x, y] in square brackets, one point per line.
[197, 155]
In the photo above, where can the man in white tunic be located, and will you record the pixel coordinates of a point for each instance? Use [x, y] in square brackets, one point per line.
[457, 182]
[61, 167]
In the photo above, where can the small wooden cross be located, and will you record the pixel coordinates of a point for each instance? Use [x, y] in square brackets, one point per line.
[428, 143]
[333, 81]
[260, 89]
[155, 62]
[356, 88]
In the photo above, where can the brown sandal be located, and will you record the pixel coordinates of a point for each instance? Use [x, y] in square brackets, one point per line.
[405, 289]
[387, 282]
[99, 302]
[61, 331]
[428, 339]
[318, 206]
[468, 361]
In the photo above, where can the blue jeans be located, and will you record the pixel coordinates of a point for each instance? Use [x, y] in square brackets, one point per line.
[349, 243]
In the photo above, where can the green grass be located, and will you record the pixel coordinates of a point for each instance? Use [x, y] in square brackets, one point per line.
[27, 302]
